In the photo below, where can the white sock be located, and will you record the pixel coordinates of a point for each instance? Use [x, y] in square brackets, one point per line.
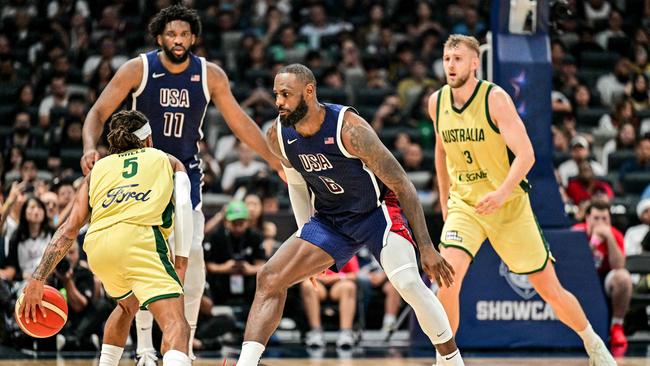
[251, 352]
[143, 324]
[438, 358]
[589, 337]
[389, 319]
[617, 321]
[191, 347]
[175, 358]
[110, 355]
[453, 359]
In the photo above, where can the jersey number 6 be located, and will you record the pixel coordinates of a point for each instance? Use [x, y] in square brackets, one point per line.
[331, 185]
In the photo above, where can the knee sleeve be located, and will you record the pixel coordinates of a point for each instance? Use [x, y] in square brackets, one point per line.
[399, 262]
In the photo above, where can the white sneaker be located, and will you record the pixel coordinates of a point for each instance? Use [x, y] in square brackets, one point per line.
[315, 339]
[147, 358]
[599, 355]
[346, 339]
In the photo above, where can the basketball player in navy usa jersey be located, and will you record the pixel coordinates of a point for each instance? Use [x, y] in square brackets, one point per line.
[333, 158]
[173, 88]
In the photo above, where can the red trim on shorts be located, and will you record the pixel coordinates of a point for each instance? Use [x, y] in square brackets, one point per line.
[398, 225]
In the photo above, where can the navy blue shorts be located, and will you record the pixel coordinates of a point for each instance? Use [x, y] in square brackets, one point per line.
[343, 237]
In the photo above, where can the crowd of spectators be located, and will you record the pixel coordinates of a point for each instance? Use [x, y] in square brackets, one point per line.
[382, 57]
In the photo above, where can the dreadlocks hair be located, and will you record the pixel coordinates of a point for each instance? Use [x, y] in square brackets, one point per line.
[171, 13]
[122, 126]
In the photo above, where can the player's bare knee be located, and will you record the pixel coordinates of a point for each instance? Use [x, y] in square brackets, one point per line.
[269, 281]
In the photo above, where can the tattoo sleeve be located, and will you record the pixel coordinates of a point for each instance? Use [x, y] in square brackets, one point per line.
[54, 252]
[361, 141]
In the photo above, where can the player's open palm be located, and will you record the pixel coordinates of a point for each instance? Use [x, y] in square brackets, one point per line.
[436, 267]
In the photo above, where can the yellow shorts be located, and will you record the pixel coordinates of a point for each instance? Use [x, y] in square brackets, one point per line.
[133, 259]
[512, 230]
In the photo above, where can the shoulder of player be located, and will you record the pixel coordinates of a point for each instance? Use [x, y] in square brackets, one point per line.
[131, 71]
[432, 105]
[356, 133]
[497, 97]
[214, 72]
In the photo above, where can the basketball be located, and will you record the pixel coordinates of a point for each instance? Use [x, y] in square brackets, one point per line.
[56, 309]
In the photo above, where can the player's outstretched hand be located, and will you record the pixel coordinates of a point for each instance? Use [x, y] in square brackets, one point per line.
[88, 160]
[436, 267]
[33, 298]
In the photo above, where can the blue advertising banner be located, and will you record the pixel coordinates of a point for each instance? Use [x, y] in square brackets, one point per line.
[500, 309]
[522, 67]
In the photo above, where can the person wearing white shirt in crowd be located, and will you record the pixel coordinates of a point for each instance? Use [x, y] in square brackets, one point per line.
[634, 235]
[579, 152]
[245, 166]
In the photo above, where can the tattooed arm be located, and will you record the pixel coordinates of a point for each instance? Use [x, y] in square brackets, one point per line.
[361, 141]
[64, 237]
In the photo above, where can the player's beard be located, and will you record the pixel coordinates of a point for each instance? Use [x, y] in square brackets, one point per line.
[460, 81]
[291, 118]
[173, 58]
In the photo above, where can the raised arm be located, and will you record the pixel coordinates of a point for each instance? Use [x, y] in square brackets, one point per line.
[64, 237]
[126, 80]
[361, 141]
[239, 122]
[442, 175]
[503, 112]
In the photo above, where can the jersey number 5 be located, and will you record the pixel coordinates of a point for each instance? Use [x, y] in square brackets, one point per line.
[173, 124]
[130, 167]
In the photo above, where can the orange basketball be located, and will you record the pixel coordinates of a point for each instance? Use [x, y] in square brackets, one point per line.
[56, 309]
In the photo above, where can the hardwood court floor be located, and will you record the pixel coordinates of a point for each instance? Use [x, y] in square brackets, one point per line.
[551, 361]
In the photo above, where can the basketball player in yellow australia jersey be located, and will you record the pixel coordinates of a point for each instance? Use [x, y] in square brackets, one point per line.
[130, 197]
[483, 154]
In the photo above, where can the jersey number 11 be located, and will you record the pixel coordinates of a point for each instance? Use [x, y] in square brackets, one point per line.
[173, 124]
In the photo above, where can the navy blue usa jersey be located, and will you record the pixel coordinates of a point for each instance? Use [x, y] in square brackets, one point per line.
[341, 184]
[175, 105]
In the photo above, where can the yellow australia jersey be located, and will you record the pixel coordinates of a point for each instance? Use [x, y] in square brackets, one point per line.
[133, 187]
[478, 159]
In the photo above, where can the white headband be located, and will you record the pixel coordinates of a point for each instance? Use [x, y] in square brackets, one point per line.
[143, 132]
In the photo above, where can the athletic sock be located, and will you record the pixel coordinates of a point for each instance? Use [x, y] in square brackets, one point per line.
[110, 355]
[452, 359]
[589, 337]
[251, 352]
[143, 324]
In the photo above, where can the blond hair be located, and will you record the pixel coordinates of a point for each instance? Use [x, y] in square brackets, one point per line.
[455, 40]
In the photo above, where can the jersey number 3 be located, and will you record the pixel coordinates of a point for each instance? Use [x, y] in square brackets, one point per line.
[173, 124]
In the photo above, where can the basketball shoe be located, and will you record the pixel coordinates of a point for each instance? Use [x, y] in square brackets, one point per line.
[146, 358]
[599, 355]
